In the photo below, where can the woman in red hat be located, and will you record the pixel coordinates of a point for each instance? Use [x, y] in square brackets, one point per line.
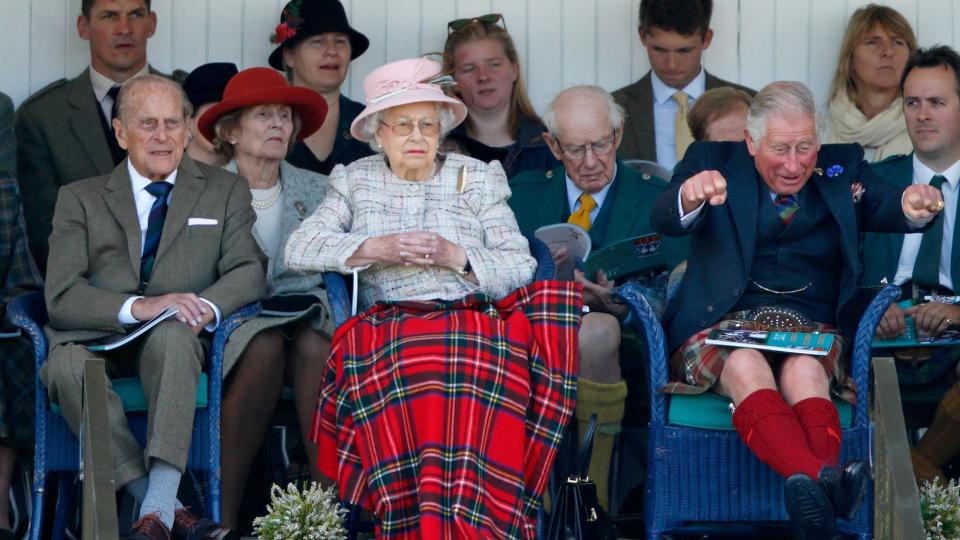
[260, 117]
[315, 45]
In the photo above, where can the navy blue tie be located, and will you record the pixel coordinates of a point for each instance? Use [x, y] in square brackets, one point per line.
[158, 213]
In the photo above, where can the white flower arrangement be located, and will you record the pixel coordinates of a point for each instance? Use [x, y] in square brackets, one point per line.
[310, 514]
[940, 507]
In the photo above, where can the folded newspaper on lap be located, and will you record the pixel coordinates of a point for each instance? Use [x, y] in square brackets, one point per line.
[816, 344]
[134, 333]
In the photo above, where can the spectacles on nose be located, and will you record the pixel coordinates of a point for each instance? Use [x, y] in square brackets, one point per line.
[428, 128]
[490, 18]
[599, 148]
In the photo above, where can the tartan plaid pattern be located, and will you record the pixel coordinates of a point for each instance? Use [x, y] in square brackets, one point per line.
[444, 418]
[17, 274]
[695, 367]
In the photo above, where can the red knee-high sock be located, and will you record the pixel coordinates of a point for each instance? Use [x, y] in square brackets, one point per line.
[821, 424]
[770, 429]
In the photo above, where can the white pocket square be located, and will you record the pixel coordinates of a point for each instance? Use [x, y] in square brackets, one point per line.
[200, 221]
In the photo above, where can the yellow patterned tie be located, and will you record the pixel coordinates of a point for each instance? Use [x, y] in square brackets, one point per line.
[582, 216]
[681, 130]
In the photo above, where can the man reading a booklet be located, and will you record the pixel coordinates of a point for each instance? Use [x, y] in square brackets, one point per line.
[160, 231]
[611, 202]
[774, 224]
[926, 265]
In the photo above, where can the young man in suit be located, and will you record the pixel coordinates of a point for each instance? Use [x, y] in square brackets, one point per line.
[927, 263]
[159, 231]
[64, 130]
[675, 33]
[612, 202]
[774, 224]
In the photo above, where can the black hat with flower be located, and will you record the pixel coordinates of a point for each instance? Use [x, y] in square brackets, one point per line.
[301, 19]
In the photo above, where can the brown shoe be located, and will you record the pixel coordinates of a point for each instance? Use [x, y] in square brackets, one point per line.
[149, 527]
[187, 526]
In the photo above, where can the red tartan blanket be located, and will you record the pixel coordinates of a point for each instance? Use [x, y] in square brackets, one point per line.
[443, 418]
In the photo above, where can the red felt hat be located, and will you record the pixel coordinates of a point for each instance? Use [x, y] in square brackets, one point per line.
[262, 86]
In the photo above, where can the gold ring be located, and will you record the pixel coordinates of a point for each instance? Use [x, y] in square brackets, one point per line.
[427, 256]
[939, 205]
[949, 322]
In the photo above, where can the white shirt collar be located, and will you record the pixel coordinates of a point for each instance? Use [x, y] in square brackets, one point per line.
[573, 192]
[102, 84]
[140, 182]
[923, 174]
[663, 93]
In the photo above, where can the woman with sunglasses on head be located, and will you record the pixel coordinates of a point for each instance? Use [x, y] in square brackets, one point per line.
[502, 124]
[440, 405]
[315, 47]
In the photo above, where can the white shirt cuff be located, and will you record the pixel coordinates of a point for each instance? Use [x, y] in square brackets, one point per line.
[687, 219]
[126, 311]
[212, 325]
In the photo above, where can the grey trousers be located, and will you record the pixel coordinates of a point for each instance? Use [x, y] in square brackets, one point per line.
[168, 361]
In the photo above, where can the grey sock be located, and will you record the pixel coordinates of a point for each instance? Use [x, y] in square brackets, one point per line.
[161, 497]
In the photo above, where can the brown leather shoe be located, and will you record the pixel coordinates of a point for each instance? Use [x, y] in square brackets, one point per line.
[149, 527]
[187, 526]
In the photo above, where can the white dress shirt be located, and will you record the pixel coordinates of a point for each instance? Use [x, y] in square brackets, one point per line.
[665, 113]
[573, 196]
[102, 84]
[911, 242]
[144, 201]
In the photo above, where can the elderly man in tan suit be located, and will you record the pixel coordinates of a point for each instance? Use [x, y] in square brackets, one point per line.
[159, 231]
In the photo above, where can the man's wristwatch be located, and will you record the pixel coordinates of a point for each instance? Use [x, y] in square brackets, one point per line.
[466, 269]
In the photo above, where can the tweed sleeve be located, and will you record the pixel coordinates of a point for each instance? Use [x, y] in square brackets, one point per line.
[504, 262]
[323, 241]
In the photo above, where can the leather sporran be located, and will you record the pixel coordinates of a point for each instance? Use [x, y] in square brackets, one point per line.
[577, 514]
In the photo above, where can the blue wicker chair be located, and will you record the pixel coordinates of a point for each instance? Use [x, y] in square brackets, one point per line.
[697, 475]
[57, 449]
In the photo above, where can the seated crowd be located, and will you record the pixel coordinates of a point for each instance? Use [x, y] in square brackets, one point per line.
[440, 408]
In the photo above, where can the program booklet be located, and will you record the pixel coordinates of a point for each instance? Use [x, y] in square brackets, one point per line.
[637, 255]
[133, 333]
[910, 338]
[572, 237]
[816, 344]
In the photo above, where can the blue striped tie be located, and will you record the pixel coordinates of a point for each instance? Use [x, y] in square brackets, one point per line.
[158, 213]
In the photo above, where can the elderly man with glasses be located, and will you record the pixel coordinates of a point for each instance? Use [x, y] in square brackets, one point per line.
[612, 202]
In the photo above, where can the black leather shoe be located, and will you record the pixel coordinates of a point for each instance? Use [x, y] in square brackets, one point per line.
[808, 506]
[845, 488]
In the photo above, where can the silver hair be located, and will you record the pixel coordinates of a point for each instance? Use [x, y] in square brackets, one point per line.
[371, 124]
[149, 79]
[614, 110]
[784, 98]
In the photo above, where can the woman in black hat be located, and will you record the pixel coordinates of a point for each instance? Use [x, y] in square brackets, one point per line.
[316, 45]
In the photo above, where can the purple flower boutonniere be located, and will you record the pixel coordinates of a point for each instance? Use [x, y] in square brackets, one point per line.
[834, 171]
[857, 190]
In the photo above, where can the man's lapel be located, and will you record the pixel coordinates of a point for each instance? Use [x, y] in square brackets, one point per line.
[624, 209]
[186, 193]
[553, 206]
[85, 122]
[742, 197]
[118, 194]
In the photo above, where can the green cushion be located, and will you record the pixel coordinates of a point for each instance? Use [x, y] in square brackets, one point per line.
[712, 411]
[134, 400]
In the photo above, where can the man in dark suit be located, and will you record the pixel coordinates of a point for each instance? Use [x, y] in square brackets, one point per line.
[774, 224]
[63, 130]
[159, 231]
[675, 34]
[928, 263]
[612, 202]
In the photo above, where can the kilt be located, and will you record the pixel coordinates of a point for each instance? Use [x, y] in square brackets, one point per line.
[17, 387]
[443, 418]
[695, 367]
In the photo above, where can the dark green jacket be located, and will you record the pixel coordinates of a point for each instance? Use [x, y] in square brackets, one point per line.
[880, 252]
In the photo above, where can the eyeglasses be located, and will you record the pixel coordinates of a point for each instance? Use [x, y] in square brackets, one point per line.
[490, 18]
[428, 128]
[599, 148]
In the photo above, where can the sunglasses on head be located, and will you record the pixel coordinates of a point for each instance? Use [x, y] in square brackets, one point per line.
[490, 18]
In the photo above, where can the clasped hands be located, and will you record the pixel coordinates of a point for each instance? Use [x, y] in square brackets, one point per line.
[930, 319]
[410, 248]
[191, 310]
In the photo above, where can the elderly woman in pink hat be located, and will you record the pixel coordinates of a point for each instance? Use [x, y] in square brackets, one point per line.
[259, 118]
[442, 403]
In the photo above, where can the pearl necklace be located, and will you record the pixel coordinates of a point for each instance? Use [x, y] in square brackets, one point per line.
[263, 204]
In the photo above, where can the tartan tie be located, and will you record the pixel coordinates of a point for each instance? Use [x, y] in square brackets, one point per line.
[926, 269]
[681, 130]
[787, 206]
[582, 216]
[158, 213]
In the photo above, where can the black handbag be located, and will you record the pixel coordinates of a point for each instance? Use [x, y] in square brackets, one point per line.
[577, 514]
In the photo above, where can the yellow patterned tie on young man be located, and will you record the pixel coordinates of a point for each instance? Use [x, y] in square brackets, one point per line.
[582, 216]
[681, 130]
